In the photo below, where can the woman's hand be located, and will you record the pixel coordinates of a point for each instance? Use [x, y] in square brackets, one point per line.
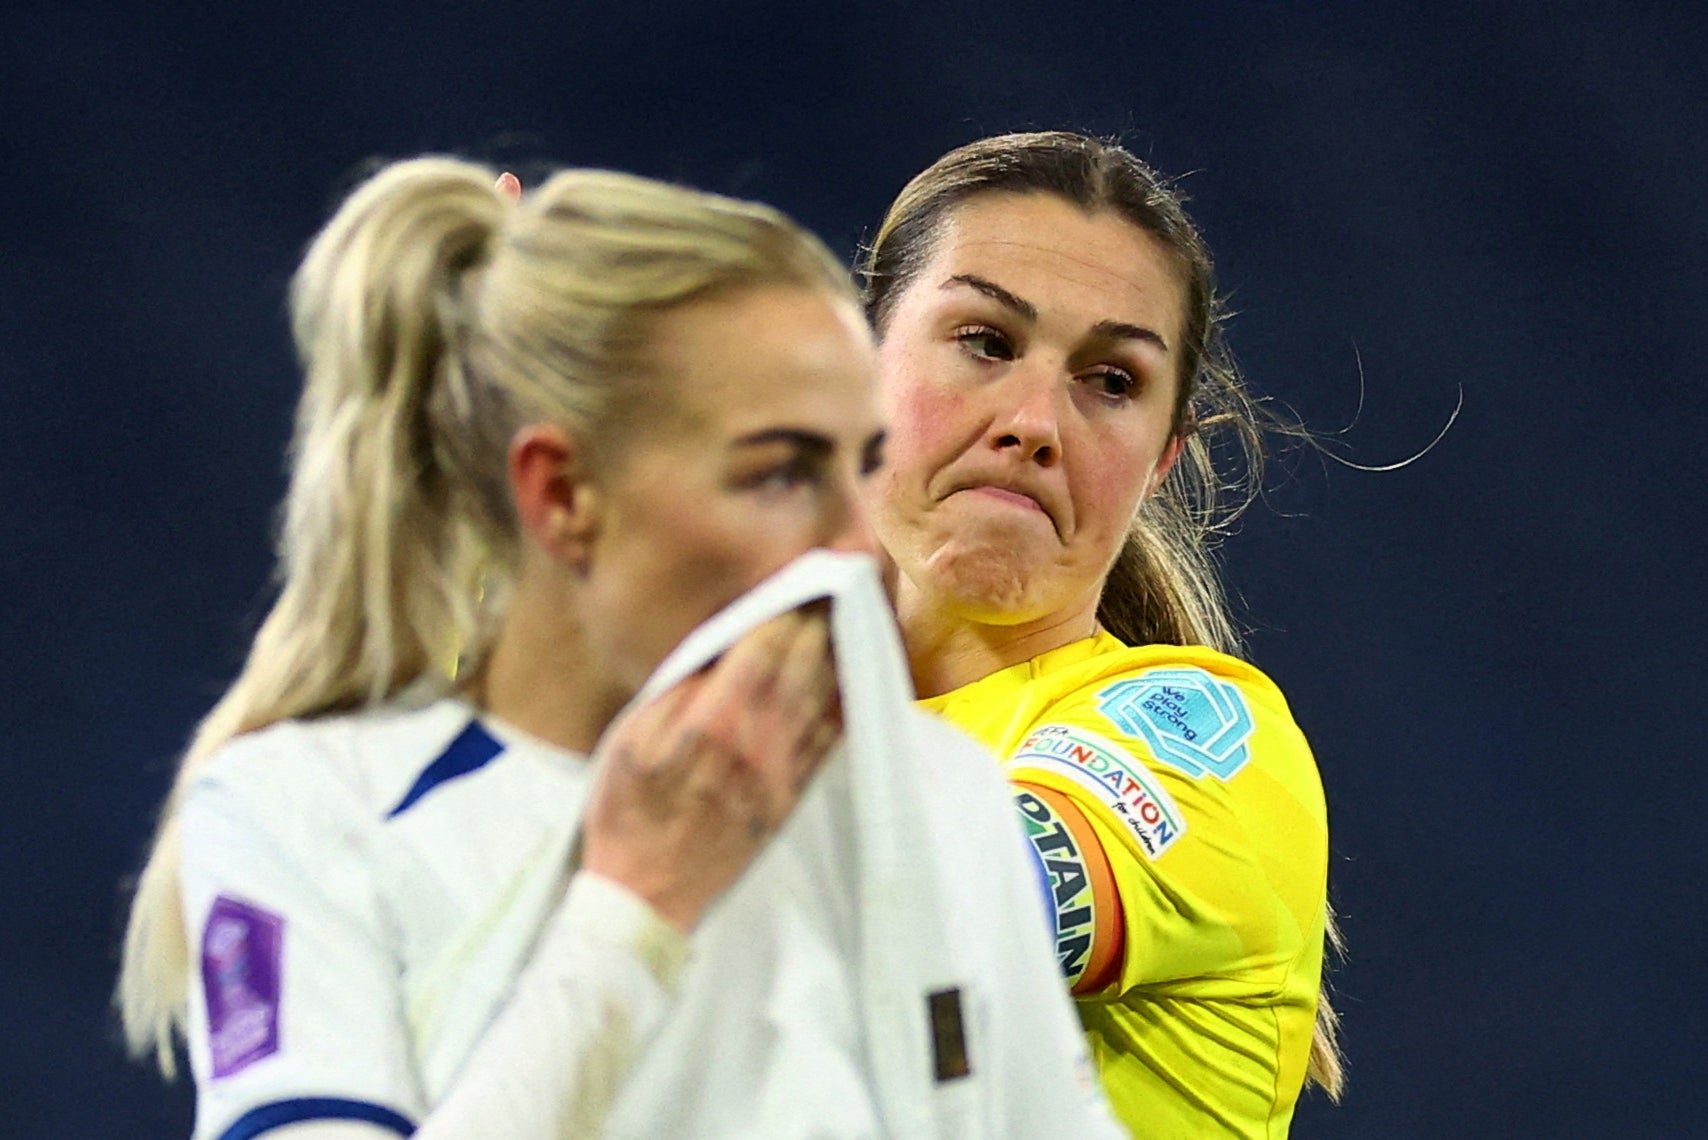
[696, 781]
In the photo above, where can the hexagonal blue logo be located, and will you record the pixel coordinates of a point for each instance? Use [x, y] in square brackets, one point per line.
[1192, 721]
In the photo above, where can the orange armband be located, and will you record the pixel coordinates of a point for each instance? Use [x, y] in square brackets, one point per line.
[1089, 928]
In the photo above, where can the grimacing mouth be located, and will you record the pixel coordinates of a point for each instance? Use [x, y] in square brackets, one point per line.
[1012, 486]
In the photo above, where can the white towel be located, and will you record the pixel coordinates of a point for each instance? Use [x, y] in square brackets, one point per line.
[808, 1007]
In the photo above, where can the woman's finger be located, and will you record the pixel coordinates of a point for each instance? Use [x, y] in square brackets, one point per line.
[642, 742]
[749, 667]
[805, 688]
[813, 752]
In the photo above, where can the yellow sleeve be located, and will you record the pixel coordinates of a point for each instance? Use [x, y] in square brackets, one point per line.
[1171, 767]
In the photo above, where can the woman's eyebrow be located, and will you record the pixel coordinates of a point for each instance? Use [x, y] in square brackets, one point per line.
[1107, 330]
[810, 442]
[995, 292]
[1121, 330]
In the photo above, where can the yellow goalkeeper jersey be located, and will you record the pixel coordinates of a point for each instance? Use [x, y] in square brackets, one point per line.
[1177, 776]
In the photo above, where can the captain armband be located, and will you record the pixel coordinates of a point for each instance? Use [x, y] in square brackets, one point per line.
[1089, 929]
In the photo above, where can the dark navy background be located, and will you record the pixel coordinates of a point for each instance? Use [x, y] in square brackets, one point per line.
[1497, 649]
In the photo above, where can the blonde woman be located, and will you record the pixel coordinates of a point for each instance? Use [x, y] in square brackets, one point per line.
[548, 438]
[551, 437]
[1058, 400]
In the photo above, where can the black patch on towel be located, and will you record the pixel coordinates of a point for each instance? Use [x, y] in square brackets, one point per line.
[948, 1035]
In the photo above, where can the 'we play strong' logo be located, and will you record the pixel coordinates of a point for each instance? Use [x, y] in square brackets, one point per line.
[1192, 721]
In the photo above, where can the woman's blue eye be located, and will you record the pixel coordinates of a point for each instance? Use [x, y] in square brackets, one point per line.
[986, 343]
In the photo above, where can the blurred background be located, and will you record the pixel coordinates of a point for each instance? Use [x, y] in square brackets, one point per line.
[1497, 650]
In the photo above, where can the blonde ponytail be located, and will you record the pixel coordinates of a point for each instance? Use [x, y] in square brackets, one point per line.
[433, 317]
[370, 594]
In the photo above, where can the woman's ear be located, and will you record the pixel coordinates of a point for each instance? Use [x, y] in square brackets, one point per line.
[1165, 462]
[556, 502]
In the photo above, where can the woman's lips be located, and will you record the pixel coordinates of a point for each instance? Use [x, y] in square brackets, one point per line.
[1014, 498]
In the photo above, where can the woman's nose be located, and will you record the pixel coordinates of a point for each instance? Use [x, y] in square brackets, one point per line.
[1029, 415]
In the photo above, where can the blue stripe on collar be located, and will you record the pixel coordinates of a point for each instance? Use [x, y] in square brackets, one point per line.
[472, 750]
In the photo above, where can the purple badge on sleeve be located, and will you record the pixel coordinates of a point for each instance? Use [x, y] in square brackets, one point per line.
[240, 977]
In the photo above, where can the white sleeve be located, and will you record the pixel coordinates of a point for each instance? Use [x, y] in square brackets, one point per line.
[582, 1014]
[295, 1004]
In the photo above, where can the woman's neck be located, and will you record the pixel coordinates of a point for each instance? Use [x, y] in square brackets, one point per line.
[946, 649]
[542, 676]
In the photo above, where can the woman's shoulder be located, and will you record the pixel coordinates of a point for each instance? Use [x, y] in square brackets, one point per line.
[364, 758]
[1109, 670]
[1169, 741]
[1186, 708]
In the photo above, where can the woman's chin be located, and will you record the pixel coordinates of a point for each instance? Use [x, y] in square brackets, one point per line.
[989, 585]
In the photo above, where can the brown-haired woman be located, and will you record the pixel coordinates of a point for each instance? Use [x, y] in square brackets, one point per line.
[1055, 381]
